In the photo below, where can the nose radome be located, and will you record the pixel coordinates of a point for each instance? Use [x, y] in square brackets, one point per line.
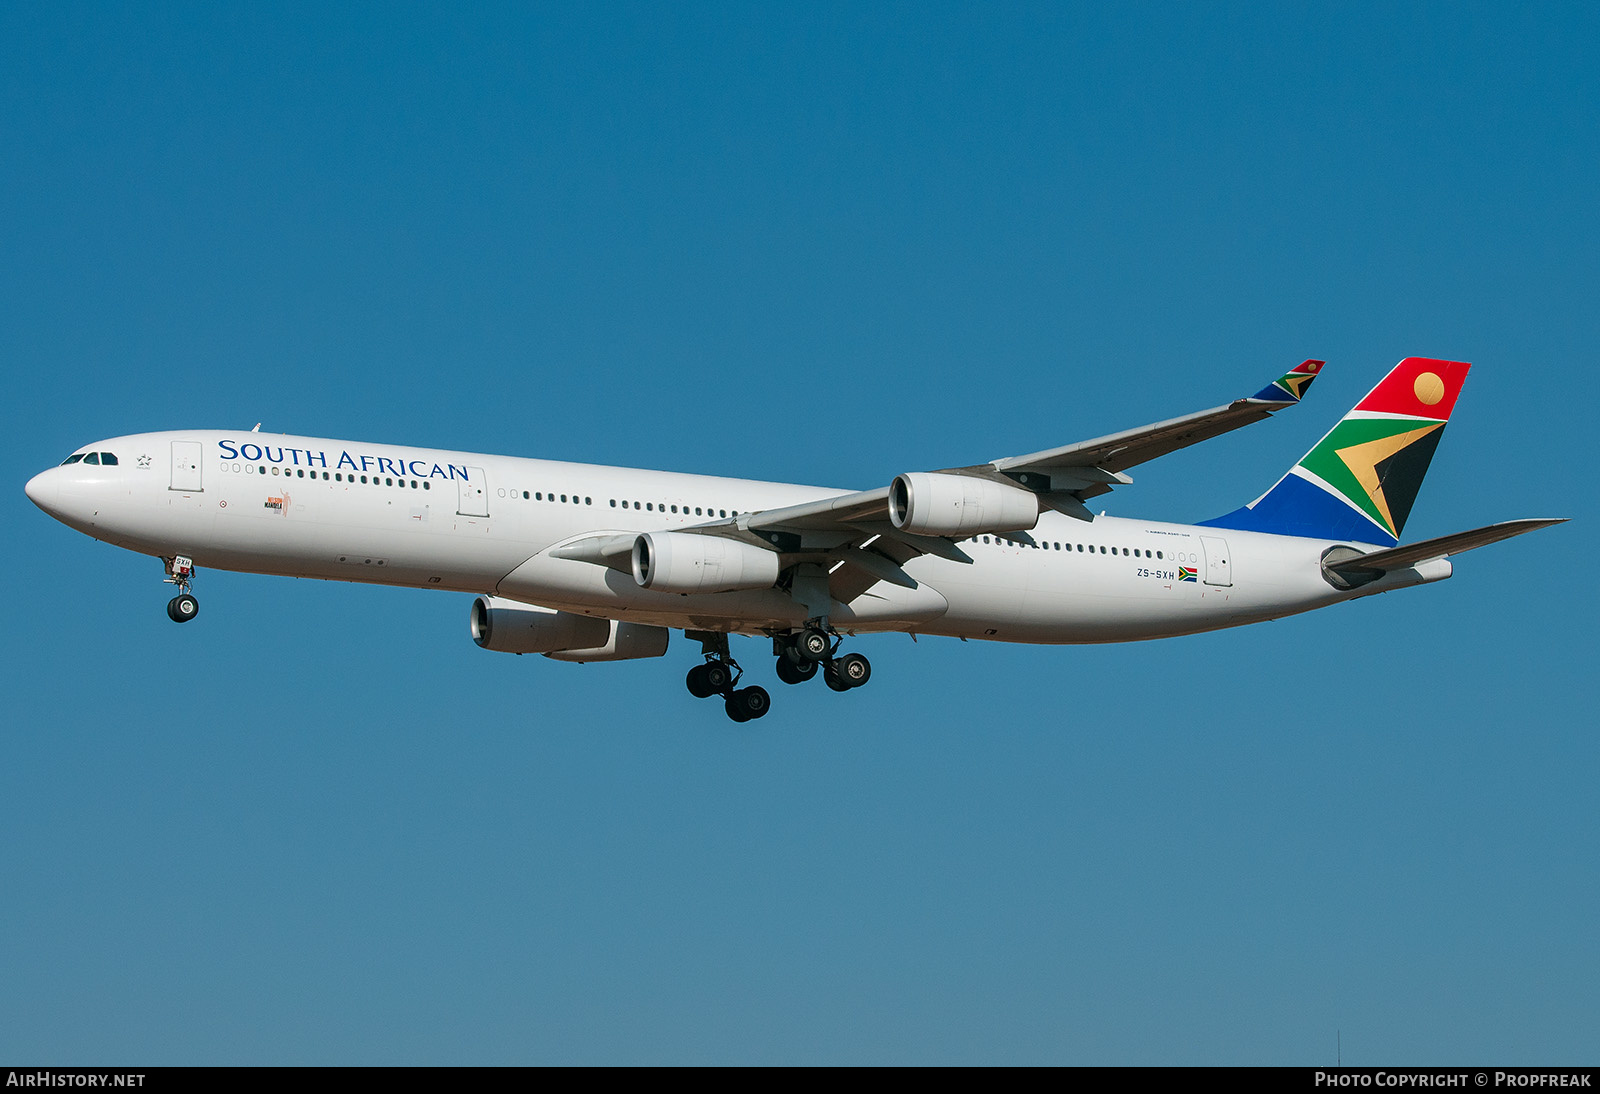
[42, 489]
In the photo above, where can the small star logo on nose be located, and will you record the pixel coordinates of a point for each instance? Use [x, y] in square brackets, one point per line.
[144, 462]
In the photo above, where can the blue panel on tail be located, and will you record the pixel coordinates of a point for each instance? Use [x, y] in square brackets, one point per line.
[1295, 507]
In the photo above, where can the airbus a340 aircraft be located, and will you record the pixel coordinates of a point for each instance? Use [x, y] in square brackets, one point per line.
[588, 563]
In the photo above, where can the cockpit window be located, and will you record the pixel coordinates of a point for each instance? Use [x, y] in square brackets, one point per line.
[93, 457]
[108, 459]
[74, 458]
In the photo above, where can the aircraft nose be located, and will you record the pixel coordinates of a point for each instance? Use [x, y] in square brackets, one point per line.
[42, 490]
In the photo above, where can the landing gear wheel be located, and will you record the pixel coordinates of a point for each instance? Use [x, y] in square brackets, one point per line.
[853, 669]
[791, 673]
[757, 701]
[748, 703]
[813, 645]
[830, 676]
[697, 683]
[182, 608]
[718, 676]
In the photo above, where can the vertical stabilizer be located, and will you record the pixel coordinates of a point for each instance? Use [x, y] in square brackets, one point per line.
[1360, 480]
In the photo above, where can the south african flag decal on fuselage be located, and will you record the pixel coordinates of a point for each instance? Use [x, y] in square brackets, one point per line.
[1188, 573]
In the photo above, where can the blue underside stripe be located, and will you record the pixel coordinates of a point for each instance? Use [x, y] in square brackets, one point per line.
[1295, 507]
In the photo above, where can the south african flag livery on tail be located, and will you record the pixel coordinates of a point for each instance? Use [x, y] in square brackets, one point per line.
[1360, 481]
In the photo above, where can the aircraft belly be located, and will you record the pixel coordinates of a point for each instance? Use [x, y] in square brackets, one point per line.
[886, 604]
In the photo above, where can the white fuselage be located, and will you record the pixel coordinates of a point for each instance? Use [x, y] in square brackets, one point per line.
[347, 511]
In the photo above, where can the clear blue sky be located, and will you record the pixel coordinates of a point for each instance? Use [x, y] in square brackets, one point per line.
[823, 245]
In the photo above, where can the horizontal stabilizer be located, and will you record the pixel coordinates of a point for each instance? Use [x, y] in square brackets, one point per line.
[1396, 558]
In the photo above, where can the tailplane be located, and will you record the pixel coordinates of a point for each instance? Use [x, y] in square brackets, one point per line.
[1360, 480]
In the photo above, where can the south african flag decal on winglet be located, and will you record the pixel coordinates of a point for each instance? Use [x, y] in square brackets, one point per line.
[1291, 386]
[1188, 573]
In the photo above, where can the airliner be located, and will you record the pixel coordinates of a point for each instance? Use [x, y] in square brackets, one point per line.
[580, 562]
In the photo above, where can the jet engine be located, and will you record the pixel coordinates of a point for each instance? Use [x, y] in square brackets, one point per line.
[627, 641]
[509, 626]
[929, 504]
[682, 562]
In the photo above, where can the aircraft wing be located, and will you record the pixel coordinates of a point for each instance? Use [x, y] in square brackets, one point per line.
[1063, 477]
[851, 534]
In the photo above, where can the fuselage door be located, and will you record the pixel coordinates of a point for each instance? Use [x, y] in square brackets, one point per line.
[1219, 563]
[186, 466]
[474, 494]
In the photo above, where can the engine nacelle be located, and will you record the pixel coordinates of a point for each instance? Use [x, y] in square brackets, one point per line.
[510, 626]
[681, 562]
[627, 641]
[929, 504]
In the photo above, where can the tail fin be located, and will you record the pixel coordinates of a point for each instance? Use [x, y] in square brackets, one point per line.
[1360, 481]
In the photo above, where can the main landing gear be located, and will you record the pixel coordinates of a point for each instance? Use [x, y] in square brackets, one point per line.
[719, 675]
[801, 654]
[183, 607]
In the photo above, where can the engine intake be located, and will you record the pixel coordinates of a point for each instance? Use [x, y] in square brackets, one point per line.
[682, 562]
[929, 504]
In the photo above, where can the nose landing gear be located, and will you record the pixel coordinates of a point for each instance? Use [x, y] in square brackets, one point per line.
[183, 607]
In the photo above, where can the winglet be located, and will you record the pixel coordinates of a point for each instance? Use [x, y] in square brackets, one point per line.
[1291, 386]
